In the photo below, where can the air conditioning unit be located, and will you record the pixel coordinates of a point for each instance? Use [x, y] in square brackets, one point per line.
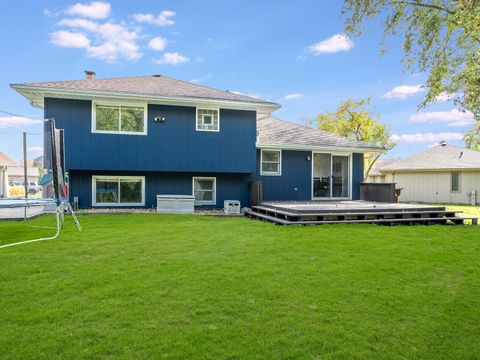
[231, 207]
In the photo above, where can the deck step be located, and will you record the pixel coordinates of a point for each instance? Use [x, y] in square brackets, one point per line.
[459, 220]
[353, 213]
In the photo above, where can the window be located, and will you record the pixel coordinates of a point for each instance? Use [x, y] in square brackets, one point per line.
[119, 119]
[271, 161]
[208, 120]
[455, 181]
[204, 190]
[118, 191]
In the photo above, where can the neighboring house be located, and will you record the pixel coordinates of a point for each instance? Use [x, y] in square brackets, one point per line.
[16, 175]
[442, 174]
[375, 176]
[129, 139]
[5, 162]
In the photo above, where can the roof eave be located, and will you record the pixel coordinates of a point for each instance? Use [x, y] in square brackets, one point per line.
[430, 169]
[36, 95]
[307, 147]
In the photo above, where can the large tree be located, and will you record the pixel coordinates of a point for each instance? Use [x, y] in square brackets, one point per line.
[353, 120]
[440, 38]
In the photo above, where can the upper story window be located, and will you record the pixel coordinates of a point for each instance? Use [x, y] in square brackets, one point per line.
[208, 120]
[119, 119]
[271, 162]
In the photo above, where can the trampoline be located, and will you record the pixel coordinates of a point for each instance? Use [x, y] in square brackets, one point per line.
[55, 165]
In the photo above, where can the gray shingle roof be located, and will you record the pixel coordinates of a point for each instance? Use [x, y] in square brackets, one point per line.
[440, 157]
[275, 132]
[6, 161]
[156, 85]
[379, 164]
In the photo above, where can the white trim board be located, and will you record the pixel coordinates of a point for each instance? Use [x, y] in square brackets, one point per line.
[37, 94]
[319, 148]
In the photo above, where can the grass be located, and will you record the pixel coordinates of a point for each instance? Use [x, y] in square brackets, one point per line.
[146, 286]
[467, 210]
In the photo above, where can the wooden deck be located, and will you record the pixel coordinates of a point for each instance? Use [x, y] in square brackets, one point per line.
[354, 212]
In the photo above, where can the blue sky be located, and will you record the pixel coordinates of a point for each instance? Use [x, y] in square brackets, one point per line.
[290, 52]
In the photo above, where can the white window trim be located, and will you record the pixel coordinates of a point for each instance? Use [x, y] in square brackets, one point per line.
[113, 177]
[102, 103]
[196, 118]
[200, 202]
[271, 173]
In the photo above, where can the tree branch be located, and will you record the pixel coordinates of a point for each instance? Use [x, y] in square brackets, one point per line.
[430, 6]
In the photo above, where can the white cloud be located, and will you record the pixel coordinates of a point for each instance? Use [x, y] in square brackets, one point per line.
[426, 137]
[17, 121]
[444, 96]
[65, 38]
[112, 41]
[93, 10]
[157, 43]
[35, 150]
[172, 58]
[163, 19]
[79, 24]
[292, 96]
[402, 92]
[335, 43]
[453, 117]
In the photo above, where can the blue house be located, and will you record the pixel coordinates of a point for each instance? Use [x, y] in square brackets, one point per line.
[130, 139]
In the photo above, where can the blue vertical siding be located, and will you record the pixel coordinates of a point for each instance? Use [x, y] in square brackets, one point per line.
[173, 145]
[357, 175]
[295, 183]
[229, 186]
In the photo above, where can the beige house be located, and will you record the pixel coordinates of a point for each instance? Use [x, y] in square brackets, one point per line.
[5, 162]
[443, 174]
[375, 175]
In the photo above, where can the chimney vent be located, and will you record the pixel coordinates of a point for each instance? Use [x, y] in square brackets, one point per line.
[443, 143]
[89, 75]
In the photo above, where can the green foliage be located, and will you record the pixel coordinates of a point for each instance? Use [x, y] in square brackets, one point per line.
[472, 138]
[150, 286]
[352, 120]
[440, 37]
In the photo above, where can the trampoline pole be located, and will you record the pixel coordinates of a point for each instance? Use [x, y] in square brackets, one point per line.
[25, 175]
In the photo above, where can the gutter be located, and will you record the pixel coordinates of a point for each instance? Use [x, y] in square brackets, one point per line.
[375, 150]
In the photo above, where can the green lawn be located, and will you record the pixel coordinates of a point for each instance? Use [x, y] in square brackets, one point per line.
[199, 287]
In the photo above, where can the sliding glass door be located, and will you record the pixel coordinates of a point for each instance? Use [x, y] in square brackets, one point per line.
[331, 176]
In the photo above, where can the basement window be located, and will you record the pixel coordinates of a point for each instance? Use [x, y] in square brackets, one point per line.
[455, 181]
[118, 191]
[119, 119]
[271, 162]
[204, 190]
[208, 120]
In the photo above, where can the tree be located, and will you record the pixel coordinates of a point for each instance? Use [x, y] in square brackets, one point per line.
[440, 37]
[472, 138]
[352, 120]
